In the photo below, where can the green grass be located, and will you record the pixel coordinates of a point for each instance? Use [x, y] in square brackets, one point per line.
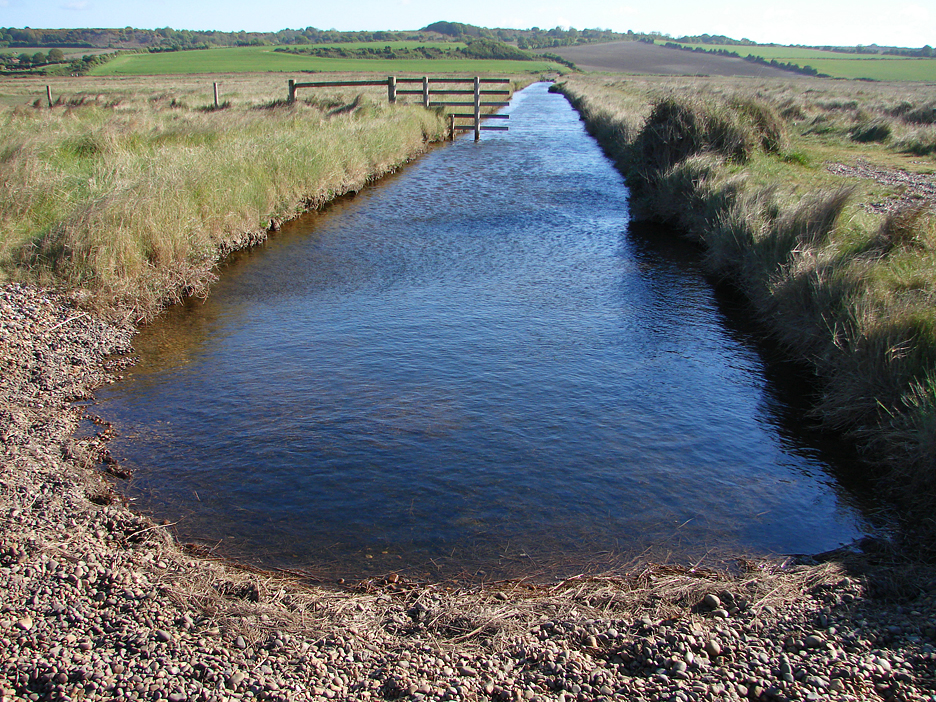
[885, 69]
[265, 59]
[840, 65]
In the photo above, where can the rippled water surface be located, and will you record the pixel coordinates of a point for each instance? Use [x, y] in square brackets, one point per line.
[477, 366]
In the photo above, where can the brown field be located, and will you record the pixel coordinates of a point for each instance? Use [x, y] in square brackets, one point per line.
[638, 57]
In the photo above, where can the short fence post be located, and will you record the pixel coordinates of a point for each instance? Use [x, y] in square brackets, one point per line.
[292, 91]
[426, 92]
[48, 90]
[452, 127]
[391, 88]
[477, 108]
[216, 95]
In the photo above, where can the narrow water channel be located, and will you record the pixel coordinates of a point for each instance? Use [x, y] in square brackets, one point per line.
[478, 366]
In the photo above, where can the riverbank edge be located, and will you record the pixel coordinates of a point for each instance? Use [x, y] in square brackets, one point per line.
[102, 603]
[893, 454]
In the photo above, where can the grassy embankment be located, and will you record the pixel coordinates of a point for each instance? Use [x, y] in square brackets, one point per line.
[741, 166]
[133, 190]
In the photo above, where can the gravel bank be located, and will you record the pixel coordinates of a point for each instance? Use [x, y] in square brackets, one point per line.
[99, 603]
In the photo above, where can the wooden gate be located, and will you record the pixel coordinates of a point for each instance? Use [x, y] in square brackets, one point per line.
[427, 92]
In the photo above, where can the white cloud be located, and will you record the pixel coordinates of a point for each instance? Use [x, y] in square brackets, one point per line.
[916, 13]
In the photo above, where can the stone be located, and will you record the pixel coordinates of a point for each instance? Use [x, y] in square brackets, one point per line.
[236, 679]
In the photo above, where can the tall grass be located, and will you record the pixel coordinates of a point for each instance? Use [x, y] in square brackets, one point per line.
[135, 199]
[739, 167]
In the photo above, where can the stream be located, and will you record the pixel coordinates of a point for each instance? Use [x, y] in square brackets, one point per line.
[478, 368]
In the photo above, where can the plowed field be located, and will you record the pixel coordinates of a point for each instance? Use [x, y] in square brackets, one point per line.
[638, 57]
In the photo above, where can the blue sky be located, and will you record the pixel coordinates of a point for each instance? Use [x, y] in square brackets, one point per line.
[814, 22]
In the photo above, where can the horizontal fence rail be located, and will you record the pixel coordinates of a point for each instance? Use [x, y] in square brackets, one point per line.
[392, 92]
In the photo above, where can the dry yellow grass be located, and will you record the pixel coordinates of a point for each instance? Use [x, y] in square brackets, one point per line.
[132, 190]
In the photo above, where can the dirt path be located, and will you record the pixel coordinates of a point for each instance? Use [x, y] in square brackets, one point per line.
[916, 188]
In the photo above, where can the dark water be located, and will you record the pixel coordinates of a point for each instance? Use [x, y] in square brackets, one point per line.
[477, 366]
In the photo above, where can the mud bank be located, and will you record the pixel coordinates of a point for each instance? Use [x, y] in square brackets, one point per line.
[100, 603]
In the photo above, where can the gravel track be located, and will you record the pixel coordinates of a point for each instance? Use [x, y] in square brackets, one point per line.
[915, 189]
[100, 603]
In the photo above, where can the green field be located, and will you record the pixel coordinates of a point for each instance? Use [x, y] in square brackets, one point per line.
[887, 68]
[263, 58]
[852, 66]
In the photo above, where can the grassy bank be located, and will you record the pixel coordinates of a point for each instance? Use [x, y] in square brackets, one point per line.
[133, 195]
[842, 269]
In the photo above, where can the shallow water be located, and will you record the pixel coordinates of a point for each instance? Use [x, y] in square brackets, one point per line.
[478, 366]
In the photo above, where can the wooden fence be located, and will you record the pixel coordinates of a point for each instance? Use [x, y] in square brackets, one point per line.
[427, 93]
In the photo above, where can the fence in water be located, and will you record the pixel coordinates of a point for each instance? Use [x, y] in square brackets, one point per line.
[476, 93]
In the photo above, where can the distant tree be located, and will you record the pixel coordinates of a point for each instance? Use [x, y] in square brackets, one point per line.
[927, 51]
[56, 56]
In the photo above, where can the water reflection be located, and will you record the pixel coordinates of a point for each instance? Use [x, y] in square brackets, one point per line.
[477, 365]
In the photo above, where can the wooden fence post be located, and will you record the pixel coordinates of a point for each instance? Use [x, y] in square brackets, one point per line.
[426, 92]
[48, 89]
[391, 88]
[216, 95]
[292, 91]
[477, 108]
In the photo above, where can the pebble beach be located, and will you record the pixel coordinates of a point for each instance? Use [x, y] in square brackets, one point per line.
[100, 603]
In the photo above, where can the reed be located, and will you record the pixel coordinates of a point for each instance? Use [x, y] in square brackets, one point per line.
[845, 287]
[133, 198]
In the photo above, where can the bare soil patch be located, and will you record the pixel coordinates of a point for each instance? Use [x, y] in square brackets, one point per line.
[638, 57]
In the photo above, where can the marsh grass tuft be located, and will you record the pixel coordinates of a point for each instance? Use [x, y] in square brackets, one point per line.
[872, 130]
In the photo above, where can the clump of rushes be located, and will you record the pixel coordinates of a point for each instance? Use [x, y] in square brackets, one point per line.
[872, 130]
[134, 201]
[740, 168]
